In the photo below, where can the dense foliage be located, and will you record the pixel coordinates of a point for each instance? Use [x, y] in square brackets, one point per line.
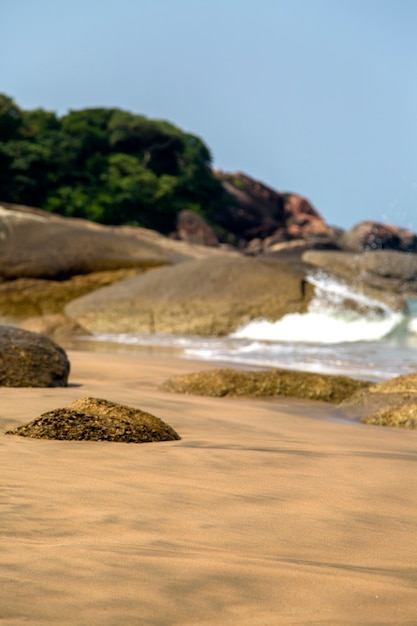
[106, 165]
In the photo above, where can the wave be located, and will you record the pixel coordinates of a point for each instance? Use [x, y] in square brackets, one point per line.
[336, 314]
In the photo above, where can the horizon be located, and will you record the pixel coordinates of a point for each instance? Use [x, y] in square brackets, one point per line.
[306, 97]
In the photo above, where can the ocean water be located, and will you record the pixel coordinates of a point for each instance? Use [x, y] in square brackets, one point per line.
[343, 332]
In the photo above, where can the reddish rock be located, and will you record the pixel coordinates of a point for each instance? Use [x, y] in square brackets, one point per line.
[258, 213]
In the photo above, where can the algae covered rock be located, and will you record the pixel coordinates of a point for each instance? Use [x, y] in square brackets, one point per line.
[390, 403]
[95, 419]
[401, 416]
[29, 359]
[274, 382]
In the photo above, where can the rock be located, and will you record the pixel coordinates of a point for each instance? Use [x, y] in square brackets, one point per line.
[274, 382]
[38, 244]
[194, 229]
[95, 419]
[257, 212]
[31, 360]
[210, 296]
[369, 235]
[302, 221]
[390, 403]
[381, 273]
[32, 297]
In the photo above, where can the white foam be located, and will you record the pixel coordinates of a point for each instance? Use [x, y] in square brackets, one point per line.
[319, 328]
[328, 321]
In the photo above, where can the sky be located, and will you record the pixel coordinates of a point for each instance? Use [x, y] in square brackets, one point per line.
[315, 97]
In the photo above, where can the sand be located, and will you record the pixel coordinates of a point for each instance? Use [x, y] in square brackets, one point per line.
[266, 512]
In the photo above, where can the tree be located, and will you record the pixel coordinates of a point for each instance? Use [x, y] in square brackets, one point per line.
[106, 165]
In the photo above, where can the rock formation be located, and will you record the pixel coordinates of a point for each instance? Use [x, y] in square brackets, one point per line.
[260, 217]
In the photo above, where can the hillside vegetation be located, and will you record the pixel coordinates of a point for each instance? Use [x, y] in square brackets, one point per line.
[106, 165]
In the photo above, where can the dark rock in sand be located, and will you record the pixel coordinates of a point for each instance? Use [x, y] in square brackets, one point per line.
[210, 296]
[95, 419]
[390, 403]
[274, 382]
[31, 360]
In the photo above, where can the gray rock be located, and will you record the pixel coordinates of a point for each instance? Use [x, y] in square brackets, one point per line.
[382, 274]
[38, 244]
[210, 296]
[31, 360]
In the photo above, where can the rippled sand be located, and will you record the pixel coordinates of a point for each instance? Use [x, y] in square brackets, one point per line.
[265, 513]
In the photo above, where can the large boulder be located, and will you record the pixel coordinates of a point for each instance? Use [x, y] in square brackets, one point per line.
[208, 297]
[389, 403]
[275, 382]
[95, 419]
[370, 235]
[38, 244]
[31, 360]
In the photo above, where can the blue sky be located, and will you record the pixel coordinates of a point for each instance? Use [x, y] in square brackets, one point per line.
[318, 97]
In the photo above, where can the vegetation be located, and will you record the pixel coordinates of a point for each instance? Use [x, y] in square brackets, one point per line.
[105, 165]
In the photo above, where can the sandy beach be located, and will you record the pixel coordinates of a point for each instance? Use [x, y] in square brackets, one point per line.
[265, 513]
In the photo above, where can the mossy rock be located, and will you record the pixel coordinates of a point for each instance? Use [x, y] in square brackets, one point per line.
[402, 416]
[269, 383]
[22, 298]
[392, 402]
[95, 419]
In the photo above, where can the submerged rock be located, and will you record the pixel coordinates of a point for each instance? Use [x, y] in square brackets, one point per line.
[31, 360]
[95, 419]
[274, 382]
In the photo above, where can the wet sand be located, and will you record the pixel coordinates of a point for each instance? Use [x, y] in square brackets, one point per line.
[267, 512]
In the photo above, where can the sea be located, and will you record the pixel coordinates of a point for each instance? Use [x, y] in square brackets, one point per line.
[343, 332]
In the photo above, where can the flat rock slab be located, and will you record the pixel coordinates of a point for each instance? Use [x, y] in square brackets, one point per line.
[274, 382]
[95, 419]
[29, 359]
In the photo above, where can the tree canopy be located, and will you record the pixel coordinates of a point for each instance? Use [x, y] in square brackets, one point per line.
[106, 165]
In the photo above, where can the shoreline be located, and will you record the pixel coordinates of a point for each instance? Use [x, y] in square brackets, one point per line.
[258, 515]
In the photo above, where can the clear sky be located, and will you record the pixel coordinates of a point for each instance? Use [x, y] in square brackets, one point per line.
[318, 97]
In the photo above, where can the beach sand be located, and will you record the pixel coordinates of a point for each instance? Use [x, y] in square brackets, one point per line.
[267, 512]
